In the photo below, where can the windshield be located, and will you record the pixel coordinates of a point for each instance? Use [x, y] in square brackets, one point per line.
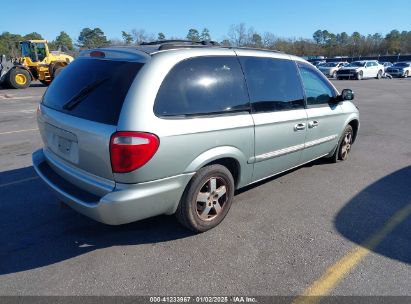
[357, 64]
[401, 64]
[330, 64]
[92, 89]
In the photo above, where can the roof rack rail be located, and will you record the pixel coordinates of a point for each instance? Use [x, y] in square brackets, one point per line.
[257, 49]
[179, 42]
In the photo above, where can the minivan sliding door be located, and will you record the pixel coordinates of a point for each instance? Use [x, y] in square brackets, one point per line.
[277, 103]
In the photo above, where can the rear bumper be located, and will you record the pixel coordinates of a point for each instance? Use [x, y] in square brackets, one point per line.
[126, 203]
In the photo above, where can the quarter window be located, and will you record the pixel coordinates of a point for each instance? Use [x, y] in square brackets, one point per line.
[273, 84]
[203, 85]
[317, 89]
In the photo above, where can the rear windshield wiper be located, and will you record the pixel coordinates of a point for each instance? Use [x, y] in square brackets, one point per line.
[84, 92]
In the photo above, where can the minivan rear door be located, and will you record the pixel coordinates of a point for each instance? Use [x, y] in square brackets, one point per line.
[80, 110]
[278, 112]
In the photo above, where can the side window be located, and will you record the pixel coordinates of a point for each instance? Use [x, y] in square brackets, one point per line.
[203, 85]
[317, 89]
[369, 64]
[273, 84]
[41, 51]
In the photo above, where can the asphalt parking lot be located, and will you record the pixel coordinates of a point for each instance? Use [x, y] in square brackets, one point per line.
[279, 238]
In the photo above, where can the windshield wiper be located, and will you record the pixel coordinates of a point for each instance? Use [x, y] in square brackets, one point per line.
[84, 92]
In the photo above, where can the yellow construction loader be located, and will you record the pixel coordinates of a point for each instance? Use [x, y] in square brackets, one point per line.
[37, 62]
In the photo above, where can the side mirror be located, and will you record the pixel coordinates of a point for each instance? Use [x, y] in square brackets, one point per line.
[347, 94]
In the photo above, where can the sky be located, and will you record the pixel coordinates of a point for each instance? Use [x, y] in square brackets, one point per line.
[285, 18]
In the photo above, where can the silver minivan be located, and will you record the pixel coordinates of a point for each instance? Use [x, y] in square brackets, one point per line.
[176, 128]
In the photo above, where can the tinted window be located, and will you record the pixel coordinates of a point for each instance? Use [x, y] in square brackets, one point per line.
[111, 81]
[317, 89]
[356, 64]
[401, 64]
[202, 85]
[273, 84]
[330, 64]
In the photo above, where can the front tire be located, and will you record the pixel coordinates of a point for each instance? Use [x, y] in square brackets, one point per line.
[360, 75]
[19, 78]
[207, 199]
[56, 71]
[344, 145]
[406, 74]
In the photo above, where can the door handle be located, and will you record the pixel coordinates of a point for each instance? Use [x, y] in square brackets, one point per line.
[300, 126]
[313, 124]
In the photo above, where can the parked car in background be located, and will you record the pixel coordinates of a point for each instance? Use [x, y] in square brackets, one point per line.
[400, 69]
[317, 63]
[330, 69]
[361, 69]
[166, 128]
[386, 65]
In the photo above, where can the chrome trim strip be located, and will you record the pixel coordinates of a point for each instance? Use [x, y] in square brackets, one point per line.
[292, 149]
[320, 141]
[278, 153]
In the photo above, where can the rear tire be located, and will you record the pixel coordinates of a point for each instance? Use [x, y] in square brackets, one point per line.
[207, 199]
[344, 145]
[19, 78]
[334, 75]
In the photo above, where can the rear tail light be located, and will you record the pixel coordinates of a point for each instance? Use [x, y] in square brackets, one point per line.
[131, 150]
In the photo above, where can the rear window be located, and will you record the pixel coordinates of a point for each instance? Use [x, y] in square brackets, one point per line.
[93, 89]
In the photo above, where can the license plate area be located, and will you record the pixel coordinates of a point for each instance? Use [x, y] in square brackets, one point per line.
[62, 143]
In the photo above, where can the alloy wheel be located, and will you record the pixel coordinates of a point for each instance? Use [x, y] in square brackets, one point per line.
[211, 198]
[346, 145]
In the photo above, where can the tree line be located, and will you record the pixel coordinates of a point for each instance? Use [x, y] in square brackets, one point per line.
[322, 43]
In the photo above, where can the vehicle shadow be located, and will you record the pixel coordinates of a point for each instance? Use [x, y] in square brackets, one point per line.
[32, 85]
[37, 85]
[368, 212]
[35, 231]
